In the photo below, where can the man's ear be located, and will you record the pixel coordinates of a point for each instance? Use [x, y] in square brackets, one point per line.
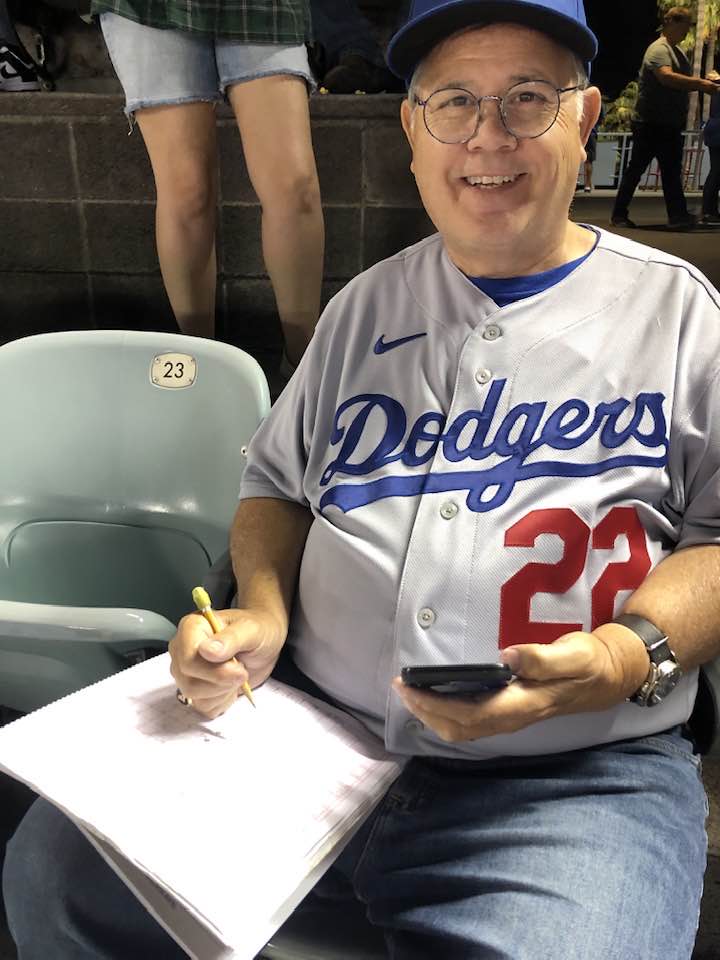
[406, 119]
[592, 102]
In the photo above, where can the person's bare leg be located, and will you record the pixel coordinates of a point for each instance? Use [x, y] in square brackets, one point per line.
[181, 141]
[588, 175]
[274, 122]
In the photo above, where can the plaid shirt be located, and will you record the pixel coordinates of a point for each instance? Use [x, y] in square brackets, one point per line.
[248, 21]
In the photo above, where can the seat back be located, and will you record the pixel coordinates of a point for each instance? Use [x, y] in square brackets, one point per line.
[120, 464]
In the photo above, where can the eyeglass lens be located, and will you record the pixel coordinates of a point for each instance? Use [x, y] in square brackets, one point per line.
[528, 110]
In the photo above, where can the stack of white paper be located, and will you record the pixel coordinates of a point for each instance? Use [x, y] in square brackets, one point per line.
[220, 827]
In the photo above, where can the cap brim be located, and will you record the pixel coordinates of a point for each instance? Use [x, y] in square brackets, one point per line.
[413, 42]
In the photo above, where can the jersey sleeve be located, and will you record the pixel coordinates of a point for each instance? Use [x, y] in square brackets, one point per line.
[278, 452]
[694, 447]
[697, 460]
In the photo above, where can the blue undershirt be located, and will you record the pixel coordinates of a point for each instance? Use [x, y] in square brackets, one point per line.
[509, 289]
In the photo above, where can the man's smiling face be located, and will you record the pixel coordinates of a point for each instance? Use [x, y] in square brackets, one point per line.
[496, 193]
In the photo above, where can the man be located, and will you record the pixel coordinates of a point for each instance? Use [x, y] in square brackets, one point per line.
[659, 119]
[500, 445]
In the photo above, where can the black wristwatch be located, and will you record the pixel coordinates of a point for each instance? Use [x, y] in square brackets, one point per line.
[665, 671]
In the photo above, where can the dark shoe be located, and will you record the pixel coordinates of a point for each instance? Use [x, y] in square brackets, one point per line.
[17, 71]
[355, 74]
[711, 219]
[622, 222]
[683, 223]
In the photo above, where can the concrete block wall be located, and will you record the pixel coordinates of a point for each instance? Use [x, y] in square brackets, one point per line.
[77, 246]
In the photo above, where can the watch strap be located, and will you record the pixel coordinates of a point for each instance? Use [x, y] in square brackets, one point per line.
[653, 638]
[663, 662]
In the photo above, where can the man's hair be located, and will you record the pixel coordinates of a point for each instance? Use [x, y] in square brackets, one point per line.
[677, 13]
[581, 78]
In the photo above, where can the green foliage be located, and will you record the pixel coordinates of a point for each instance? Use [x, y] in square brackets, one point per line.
[619, 113]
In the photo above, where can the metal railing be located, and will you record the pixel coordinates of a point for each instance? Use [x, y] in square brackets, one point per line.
[613, 155]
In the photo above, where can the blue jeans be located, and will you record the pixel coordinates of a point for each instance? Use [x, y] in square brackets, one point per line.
[592, 854]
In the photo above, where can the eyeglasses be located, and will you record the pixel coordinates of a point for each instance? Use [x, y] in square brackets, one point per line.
[680, 19]
[527, 111]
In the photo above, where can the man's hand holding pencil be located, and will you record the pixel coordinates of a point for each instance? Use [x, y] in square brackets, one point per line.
[212, 666]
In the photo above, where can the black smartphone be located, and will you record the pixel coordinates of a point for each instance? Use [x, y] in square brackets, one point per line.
[461, 679]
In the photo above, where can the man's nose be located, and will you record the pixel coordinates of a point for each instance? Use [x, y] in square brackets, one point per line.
[491, 133]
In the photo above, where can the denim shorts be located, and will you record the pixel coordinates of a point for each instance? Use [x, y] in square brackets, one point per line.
[162, 67]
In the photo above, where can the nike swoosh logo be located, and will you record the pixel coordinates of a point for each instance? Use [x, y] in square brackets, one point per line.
[13, 62]
[383, 345]
[11, 66]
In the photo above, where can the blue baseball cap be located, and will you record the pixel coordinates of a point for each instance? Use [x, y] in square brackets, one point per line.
[430, 21]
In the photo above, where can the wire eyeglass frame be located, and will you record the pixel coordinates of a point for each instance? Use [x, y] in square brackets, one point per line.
[501, 106]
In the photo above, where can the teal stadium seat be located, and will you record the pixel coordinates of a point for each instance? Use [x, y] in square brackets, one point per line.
[120, 465]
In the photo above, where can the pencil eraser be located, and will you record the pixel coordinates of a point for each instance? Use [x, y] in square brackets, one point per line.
[201, 598]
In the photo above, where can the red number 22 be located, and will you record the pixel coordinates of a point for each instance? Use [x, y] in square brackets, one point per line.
[517, 593]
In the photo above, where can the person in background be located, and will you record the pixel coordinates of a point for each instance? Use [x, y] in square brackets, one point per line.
[176, 61]
[18, 73]
[349, 53]
[711, 138]
[590, 156]
[659, 120]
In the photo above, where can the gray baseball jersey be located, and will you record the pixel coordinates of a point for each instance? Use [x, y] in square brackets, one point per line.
[481, 477]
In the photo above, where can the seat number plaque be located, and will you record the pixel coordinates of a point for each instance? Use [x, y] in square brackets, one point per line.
[173, 370]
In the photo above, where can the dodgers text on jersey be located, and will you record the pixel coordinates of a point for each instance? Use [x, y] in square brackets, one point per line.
[530, 440]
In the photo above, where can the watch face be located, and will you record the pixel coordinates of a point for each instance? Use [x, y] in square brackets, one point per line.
[666, 681]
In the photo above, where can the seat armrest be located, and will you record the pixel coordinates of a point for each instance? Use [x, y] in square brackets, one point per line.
[119, 628]
[48, 651]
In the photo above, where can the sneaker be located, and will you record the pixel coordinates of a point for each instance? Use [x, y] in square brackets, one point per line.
[622, 222]
[18, 73]
[683, 223]
[587, 190]
[711, 219]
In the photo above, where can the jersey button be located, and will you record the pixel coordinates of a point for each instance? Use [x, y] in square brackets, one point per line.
[483, 375]
[492, 332]
[426, 617]
[449, 510]
[414, 725]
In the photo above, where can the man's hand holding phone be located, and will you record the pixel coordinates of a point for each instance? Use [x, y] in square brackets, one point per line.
[577, 673]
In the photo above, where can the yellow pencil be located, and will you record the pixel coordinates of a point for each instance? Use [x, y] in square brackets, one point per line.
[202, 602]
